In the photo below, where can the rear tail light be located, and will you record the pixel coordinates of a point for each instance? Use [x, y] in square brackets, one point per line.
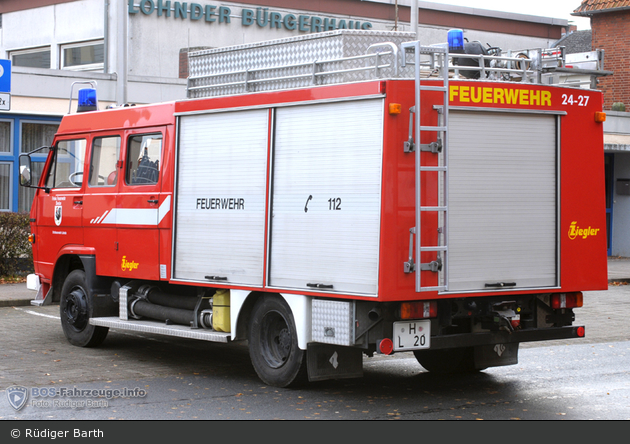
[418, 310]
[567, 300]
[31, 238]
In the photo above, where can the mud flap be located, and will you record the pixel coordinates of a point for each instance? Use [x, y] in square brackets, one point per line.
[326, 361]
[496, 355]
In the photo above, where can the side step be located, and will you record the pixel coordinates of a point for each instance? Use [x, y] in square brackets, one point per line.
[159, 328]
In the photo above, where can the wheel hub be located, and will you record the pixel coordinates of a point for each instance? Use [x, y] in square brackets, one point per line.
[276, 340]
[75, 310]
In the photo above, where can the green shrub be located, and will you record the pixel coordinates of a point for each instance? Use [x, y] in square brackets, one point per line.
[16, 254]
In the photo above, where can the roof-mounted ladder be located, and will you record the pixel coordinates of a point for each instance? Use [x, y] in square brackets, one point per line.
[438, 56]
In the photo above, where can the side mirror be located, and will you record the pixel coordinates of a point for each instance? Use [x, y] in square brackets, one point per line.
[25, 170]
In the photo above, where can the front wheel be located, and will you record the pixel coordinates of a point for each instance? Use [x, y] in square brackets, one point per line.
[273, 344]
[75, 313]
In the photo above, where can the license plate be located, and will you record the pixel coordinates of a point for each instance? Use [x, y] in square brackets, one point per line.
[412, 335]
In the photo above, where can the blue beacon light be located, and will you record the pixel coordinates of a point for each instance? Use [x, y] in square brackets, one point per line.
[87, 100]
[456, 41]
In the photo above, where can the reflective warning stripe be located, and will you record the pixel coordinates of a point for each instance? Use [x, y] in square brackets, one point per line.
[135, 216]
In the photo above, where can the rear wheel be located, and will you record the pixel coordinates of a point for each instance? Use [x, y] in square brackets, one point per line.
[273, 344]
[74, 310]
[455, 360]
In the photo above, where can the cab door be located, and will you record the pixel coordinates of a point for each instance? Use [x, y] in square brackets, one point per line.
[60, 210]
[99, 199]
[140, 206]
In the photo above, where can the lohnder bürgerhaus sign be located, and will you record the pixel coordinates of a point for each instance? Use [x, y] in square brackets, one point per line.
[260, 17]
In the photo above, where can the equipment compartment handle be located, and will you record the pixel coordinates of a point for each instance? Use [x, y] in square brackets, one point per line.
[320, 286]
[501, 284]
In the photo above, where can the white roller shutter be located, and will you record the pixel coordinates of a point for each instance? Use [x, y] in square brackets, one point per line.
[221, 190]
[502, 200]
[326, 196]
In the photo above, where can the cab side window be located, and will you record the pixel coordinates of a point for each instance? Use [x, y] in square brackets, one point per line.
[103, 162]
[144, 152]
[66, 170]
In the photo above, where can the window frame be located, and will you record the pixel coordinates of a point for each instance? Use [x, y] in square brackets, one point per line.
[127, 178]
[86, 67]
[10, 208]
[11, 137]
[33, 50]
[43, 122]
[54, 162]
[90, 159]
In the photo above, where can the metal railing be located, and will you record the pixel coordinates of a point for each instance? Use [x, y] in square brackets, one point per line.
[530, 65]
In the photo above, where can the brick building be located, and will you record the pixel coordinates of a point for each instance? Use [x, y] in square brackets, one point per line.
[610, 24]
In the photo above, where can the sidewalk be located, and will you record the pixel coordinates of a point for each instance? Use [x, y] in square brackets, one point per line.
[13, 295]
[619, 269]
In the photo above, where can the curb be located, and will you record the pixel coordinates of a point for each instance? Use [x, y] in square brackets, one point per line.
[15, 302]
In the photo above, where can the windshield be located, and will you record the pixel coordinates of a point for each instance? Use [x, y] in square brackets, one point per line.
[66, 170]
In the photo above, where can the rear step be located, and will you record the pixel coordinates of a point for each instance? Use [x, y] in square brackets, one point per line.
[158, 327]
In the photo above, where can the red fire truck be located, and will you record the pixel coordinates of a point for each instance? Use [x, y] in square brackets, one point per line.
[399, 200]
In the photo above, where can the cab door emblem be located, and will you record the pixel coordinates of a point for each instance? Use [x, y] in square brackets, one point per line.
[58, 215]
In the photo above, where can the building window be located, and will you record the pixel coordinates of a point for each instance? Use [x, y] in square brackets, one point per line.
[35, 135]
[6, 141]
[32, 58]
[83, 56]
[5, 186]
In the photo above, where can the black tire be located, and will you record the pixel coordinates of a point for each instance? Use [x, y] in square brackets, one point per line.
[273, 344]
[455, 360]
[74, 310]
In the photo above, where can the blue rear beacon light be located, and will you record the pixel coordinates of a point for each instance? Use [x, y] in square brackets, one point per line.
[87, 100]
[456, 41]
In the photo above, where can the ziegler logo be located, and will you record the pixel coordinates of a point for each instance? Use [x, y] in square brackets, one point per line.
[575, 231]
[128, 266]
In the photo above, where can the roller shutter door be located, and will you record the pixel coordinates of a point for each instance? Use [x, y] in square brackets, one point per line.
[503, 201]
[326, 197]
[221, 190]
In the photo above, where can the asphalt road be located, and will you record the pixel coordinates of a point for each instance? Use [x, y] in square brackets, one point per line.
[574, 379]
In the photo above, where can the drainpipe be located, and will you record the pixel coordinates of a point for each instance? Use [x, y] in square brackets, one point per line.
[106, 37]
[414, 17]
[121, 54]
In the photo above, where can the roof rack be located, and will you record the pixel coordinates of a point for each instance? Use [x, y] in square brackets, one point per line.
[346, 56]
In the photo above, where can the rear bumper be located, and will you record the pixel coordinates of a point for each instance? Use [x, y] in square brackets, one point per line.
[504, 337]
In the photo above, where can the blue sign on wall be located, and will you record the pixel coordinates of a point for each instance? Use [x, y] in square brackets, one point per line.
[5, 76]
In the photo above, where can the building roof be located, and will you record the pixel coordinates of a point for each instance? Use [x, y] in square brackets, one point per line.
[590, 7]
[577, 41]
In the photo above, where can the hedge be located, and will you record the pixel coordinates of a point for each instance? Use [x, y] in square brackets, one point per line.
[16, 254]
